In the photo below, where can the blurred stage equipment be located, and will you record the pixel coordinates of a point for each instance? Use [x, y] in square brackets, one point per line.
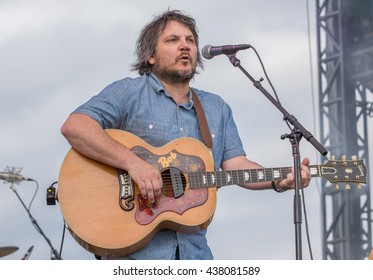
[28, 253]
[51, 194]
[13, 176]
[4, 251]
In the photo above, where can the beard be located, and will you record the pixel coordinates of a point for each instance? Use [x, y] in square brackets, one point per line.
[174, 76]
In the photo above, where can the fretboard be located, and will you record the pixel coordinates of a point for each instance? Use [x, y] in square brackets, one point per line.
[236, 177]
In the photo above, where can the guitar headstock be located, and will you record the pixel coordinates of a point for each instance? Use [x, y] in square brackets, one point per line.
[345, 171]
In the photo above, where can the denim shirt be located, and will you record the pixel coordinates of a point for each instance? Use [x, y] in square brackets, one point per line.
[143, 107]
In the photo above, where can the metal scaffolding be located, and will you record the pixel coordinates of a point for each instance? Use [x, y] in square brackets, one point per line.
[345, 80]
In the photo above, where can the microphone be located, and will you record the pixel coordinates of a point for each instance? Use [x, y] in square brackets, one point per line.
[13, 177]
[209, 52]
[28, 253]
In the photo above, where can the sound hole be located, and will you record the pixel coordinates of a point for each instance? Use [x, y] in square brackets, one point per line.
[174, 182]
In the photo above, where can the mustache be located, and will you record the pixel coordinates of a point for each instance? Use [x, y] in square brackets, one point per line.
[184, 56]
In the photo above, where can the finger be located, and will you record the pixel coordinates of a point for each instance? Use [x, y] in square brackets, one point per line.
[150, 192]
[290, 180]
[142, 188]
[157, 187]
[306, 169]
[305, 179]
[306, 161]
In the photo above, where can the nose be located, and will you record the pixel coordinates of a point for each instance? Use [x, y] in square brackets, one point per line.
[184, 44]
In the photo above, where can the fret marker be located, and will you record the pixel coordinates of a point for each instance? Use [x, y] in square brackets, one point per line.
[260, 175]
[313, 170]
[204, 179]
[213, 178]
[228, 177]
[247, 176]
[276, 174]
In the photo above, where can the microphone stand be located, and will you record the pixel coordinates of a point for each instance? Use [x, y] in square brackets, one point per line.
[297, 132]
[34, 222]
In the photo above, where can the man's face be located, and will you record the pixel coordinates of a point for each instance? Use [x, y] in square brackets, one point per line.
[175, 58]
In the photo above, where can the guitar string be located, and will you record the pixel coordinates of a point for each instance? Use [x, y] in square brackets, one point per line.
[236, 176]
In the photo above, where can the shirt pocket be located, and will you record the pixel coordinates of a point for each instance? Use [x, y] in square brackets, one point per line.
[153, 132]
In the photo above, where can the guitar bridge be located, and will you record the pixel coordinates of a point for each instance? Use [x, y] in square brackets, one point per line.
[126, 193]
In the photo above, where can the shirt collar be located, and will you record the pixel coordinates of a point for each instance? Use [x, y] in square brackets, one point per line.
[156, 83]
[159, 88]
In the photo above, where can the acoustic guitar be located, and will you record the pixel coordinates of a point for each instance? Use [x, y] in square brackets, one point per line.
[106, 214]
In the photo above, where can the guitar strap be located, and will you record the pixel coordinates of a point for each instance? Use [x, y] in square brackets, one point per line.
[203, 126]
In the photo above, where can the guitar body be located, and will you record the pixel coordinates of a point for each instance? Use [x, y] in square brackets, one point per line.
[99, 216]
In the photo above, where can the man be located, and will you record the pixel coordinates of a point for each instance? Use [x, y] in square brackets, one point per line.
[158, 107]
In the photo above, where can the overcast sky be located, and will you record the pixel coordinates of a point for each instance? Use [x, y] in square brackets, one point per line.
[54, 55]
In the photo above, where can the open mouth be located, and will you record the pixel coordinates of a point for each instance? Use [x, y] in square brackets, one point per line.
[185, 58]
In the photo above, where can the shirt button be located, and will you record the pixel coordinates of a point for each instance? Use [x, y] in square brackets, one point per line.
[151, 126]
[181, 129]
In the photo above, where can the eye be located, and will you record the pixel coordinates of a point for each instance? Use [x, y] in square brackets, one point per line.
[191, 40]
[172, 39]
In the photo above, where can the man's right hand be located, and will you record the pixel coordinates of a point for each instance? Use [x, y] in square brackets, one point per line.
[147, 178]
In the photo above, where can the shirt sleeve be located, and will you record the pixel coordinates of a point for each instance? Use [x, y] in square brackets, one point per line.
[232, 144]
[105, 107]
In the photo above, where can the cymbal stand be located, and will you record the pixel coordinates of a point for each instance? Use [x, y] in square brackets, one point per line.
[35, 223]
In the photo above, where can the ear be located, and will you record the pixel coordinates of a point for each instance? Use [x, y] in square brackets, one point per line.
[151, 60]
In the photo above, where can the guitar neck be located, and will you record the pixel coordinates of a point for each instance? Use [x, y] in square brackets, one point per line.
[237, 177]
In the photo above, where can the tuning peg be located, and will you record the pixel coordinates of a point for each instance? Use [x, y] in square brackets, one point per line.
[358, 186]
[347, 187]
[354, 157]
[344, 157]
[336, 186]
[333, 157]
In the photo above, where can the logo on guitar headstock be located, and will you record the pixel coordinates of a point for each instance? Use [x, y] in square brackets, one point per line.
[347, 171]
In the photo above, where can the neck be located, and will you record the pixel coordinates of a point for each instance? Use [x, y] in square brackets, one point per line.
[178, 91]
